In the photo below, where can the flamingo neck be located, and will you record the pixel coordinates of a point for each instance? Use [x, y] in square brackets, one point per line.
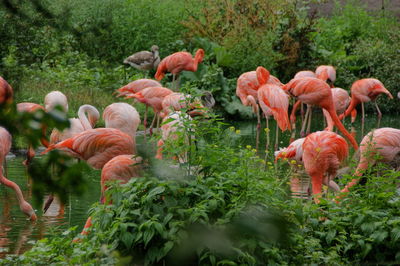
[91, 111]
[12, 185]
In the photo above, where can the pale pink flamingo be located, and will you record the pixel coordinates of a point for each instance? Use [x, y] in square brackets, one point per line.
[323, 152]
[54, 98]
[327, 74]
[382, 143]
[178, 62]
[169, 132]
[314, 91]
[153, 97]
[122, 116]
[88, 116]
[274, 102]
[5, 145]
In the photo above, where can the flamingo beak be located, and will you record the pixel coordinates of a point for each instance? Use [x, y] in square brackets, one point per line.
[33, 217]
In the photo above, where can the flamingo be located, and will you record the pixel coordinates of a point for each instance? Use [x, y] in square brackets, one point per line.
[122, 116]
[136, 86]
[326, 73]
[314, 91]
[300, 74]
[246, 89]
[384, 142]
[274, 102]
[153, 97]
[365, 90]
[5, 145]
[54, 98]
[177, 62]
[88, 116]
[169, 132]
[144, 60]
[97, 146]
[30, 108]
[6, 92]
[121, 168]
[323, 151]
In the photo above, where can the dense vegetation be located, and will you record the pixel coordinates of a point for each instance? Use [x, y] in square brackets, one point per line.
[227, 206]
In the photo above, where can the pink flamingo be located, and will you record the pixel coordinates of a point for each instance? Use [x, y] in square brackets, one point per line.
[177, 62]
[314, 91]
[121, 168]
[365, 90]
[6, 92]
[5, 145]
[326, 73]
[136, 86]
[384, 142]
[97, 146]
[274, 102]
[323, 152]
[122, 116]
[246, 89]
[153, 97]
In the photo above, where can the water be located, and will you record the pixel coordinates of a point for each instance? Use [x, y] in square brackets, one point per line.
[17, 233]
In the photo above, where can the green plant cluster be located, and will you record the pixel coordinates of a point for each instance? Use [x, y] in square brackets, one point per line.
[226, 206]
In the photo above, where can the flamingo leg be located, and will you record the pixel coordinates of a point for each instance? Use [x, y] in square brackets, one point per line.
[5, 167]
[158, 121]
[276, 137]
[302, 112]
[258, 127]
[379, 113]
[267, 133]
[303, 126]
[309, 122]
[152, 123]
[362, 119]
[145, 123]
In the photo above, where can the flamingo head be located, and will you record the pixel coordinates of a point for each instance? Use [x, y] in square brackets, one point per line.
[199, 55]
[28, 210]
[154, 48]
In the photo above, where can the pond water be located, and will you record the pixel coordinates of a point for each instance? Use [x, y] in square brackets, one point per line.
[17, 234]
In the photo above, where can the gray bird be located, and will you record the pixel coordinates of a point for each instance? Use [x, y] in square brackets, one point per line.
[144, 60]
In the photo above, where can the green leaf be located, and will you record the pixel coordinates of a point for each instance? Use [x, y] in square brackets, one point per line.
[395, 234]
[155, 191]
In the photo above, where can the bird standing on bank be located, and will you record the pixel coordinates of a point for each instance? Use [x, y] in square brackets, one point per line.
[178, 62]
[5, 145]
[144, 60]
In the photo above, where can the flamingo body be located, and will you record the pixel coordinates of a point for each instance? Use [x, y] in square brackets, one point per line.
[55, 98]
[136, 86]
[326, 73]
[305, 74]
[97, 146]
[177, 62]
[123, 117]
[323, 151]
[6, 92]
[382, 142]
